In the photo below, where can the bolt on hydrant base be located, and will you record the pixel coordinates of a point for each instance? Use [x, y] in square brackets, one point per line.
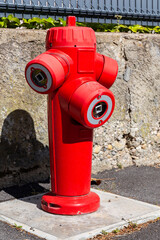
[77, 80]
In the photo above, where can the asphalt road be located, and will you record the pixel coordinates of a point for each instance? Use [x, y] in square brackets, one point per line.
[141, 183]
[10, 233]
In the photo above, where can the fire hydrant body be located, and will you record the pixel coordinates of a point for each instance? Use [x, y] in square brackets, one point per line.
[76, 79]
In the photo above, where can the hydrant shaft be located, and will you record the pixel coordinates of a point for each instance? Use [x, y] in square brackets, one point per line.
[70, 146]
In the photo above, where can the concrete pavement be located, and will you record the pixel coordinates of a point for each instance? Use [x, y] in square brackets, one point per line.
[141, 183]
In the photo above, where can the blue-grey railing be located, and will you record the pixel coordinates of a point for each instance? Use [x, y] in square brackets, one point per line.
[146, 12]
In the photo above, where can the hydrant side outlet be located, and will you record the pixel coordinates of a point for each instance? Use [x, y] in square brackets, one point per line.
[77, 80]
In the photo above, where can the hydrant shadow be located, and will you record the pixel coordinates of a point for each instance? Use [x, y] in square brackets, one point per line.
[23, 159]
[30, 193]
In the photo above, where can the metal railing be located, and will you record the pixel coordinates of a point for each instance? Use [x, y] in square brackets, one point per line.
[145, 12]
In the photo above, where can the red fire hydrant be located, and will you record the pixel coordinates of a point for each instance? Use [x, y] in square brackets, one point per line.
[76, 79]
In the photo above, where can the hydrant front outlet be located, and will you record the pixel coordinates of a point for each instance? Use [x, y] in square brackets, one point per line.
[77, 80]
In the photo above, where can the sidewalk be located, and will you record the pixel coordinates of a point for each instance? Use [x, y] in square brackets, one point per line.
[142, 183]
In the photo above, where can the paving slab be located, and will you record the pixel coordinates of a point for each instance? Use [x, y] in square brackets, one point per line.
[115, 212]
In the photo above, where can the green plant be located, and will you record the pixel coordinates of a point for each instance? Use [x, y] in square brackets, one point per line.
[62, 22]
[116, 230]
[119, 165]
[140, 29]
[133, 225]
[156, 29]
[119, 17]
[104, 232]
[16, 226]
[38, 23]
[9, 22]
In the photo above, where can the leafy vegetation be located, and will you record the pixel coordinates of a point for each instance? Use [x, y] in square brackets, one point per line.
[119, 165]
[104, 232]
[9, 22]
[37, 23]
[133, 225]
[115, 230]
[17, 226]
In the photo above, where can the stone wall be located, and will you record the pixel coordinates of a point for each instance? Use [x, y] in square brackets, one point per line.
[131, 136]
[23, 148]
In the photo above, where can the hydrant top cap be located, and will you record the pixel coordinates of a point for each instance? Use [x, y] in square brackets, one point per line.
[70, 36]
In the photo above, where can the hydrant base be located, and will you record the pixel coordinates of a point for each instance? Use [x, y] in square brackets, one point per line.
[68, 205]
